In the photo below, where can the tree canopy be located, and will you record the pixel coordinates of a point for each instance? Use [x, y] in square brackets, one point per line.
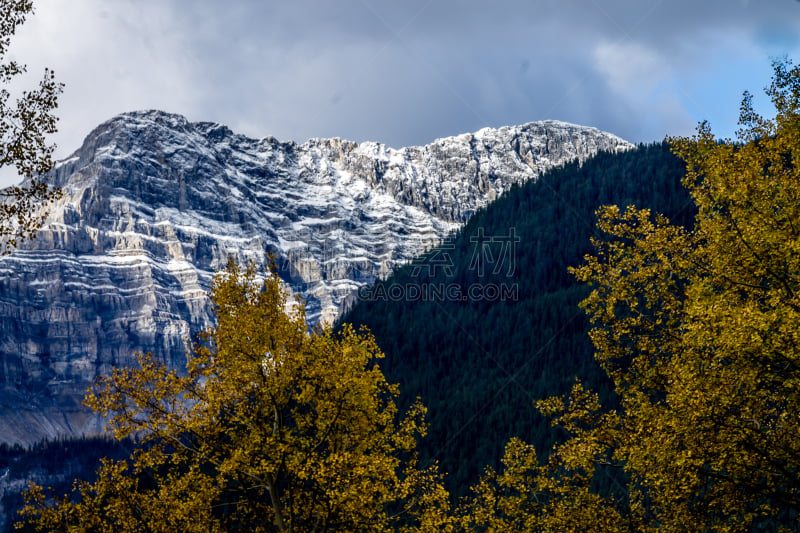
[25, 120]
[698, 329]
[272, 429]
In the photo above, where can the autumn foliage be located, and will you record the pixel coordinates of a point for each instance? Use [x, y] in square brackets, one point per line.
[272, 428]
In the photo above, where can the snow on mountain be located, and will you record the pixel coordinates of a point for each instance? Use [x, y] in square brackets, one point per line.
[154, 204]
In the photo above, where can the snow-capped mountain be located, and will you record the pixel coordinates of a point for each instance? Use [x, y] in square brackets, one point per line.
[154, 204]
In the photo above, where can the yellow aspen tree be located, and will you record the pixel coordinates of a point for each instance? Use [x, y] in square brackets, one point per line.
[25, 120]
[271, 429]
[699, 329]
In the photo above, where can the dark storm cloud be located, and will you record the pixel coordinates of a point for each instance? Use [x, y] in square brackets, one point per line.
[406, 72]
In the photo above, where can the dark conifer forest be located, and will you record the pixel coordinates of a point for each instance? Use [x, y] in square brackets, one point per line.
[55, 463]
[506, 330]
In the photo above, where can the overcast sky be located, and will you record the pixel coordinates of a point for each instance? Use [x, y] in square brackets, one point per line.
[404, 72]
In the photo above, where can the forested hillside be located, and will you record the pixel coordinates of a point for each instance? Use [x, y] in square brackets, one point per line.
[506, 329]
[55, 464]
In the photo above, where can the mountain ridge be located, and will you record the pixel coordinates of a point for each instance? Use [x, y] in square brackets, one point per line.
[154, 204]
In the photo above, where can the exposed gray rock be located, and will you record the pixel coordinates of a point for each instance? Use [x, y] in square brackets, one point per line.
[154, 205]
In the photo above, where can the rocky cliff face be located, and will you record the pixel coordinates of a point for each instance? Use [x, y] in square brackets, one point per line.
[154, 204]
